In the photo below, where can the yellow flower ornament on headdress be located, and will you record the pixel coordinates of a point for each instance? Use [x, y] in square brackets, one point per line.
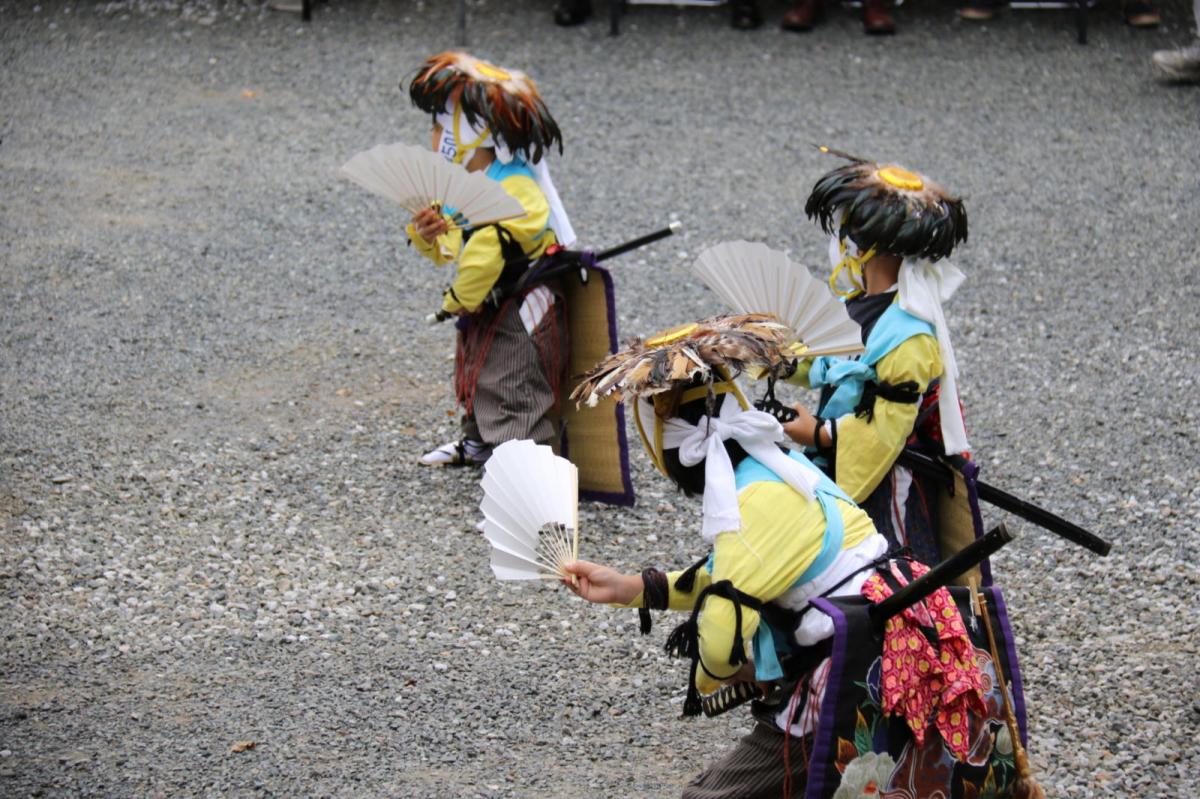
[498, 102]
[697, 362]
[684, 364]
[887, 208]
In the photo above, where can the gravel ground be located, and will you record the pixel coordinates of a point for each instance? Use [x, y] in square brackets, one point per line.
[215, 380]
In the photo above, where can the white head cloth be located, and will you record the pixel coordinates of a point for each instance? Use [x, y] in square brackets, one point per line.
[924, 286]
[474, 136]
[758, 433]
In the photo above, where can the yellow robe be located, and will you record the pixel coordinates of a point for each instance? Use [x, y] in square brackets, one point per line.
[480, 260]
[866, 449]
[782, 533]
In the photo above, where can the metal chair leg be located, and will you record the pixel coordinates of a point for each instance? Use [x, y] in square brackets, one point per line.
[615, 7]
[1081, 20]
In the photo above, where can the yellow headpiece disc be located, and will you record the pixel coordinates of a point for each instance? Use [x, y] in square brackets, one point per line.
[491, 71]
[901, 178]
[672, 335]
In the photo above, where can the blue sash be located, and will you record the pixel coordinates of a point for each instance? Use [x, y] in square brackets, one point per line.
[847, 376]
[499, 172]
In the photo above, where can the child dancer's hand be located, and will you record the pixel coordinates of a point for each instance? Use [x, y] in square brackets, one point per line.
[800, 429]
[429, 224]
[603, 585]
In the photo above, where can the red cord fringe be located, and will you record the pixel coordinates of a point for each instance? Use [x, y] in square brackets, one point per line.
[475, 343]
[801, 686]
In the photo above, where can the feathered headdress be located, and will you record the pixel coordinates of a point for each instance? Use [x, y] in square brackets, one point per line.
[504, 100]
[715, 349]
[888, 208]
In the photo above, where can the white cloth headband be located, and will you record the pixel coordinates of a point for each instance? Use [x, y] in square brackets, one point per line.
[560, 223]
[758, 433]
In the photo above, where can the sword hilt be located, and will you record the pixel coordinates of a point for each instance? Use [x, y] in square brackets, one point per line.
[769, 404]
[781, 412]
[727, 697]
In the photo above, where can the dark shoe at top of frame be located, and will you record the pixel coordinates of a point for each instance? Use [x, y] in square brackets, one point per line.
[1140, 14]
[803, 15]
[980, 10]
[745, 14]
[877, 18]
[572, 12]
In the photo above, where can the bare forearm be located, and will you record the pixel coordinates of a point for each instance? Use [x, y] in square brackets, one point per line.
[631, 586]
[603, 585]
[808, 431]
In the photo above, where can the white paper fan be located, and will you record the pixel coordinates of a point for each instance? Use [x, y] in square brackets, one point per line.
[753, 278]
[416, 178]
[530, 512]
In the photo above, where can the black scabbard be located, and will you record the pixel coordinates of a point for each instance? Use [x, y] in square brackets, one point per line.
[931, 467]
[641, 241]
[942, 574]
[544, 268]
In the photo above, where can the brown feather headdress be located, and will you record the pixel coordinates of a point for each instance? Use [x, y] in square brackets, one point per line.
[887, 207]
[715, 349]
[505, 100]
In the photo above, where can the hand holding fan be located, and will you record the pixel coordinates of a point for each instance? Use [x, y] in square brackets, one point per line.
[415, 178]
[530, 512]
[753, 278]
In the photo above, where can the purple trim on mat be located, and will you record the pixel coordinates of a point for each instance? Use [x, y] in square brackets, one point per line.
[625, 497]
[1014, 670]
[970, 472]
[823, 740]
[624, 500]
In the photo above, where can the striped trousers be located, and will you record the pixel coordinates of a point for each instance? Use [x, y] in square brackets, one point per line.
[754, 768]
[512, 397]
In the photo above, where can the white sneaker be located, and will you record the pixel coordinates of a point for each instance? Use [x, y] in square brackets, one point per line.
[1181, 65]
[458, 453]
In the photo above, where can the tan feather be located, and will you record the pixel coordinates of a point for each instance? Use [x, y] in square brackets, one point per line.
[713, 348]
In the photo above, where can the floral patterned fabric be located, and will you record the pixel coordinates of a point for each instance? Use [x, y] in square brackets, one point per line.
[856, 740]
[929, 670]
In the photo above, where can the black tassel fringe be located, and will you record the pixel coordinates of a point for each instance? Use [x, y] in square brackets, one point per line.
[682, 642]
[691, 703]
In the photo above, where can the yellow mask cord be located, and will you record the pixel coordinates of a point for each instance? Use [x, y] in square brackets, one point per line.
[461, 150]
[854, 271]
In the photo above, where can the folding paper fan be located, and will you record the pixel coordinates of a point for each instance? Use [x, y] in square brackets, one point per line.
[530, 512]
[753, 278]
[415, 178]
